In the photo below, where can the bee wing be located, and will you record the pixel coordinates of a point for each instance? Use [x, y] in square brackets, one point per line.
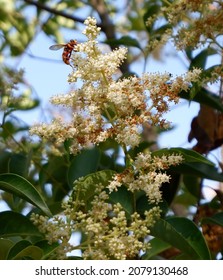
[57, 47]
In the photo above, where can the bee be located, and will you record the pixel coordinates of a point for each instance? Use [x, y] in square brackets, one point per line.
[68, 48]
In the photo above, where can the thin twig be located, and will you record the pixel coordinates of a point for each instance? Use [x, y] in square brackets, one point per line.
[54, 11]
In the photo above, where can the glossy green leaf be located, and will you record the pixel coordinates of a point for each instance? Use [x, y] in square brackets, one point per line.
[189, 52]
[208, 72]
[124, 40]
[19, 164]
[157, 247]
[47, 248]
[183, 234]
[198, 169]
[188, 155]
[54, 172]
[159, 32]
[185, 199]
[29, 253]
[83, 164]
[140, 148]
[106, 162]
[192, 184]
[125, 198]
[20, 187]
[5, 246]
[143, 204]
[7, 130]
[85, 187]
[13, 163]
[17, 248]
[215, 219]
[152, 9]
[199, 61]
[15, 224]
[204, 96]
[193, 164]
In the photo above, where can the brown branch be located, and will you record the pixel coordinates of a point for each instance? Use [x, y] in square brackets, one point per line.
[54, 11]
[107, 26]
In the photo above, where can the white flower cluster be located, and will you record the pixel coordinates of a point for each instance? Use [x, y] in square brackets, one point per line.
[91, 30]
[103, 107]
[194, 24]
[106, 236]
[146, 175]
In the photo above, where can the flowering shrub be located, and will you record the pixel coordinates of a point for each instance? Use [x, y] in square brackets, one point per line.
[106, 108]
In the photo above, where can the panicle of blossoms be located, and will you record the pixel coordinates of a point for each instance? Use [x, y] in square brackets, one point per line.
[55, 230]
[91, 31]
[201, 21]
[146, 174]
[193, 23]
[104, 108]
[109, 234]
[96, 67]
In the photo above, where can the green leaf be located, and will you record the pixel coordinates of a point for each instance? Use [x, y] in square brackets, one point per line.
[14, 163]
[142, 205]
[20, 187]
[17, 248]
[8, 129]
[183, 234]
[140, 148]
[124, 40]
[192, 184]
[204, 96]
[152, 9]
[193, 164]
[169, 189]
[30, 252]
[83, 164]
[157, 247]
[158, 33]
[198, 169]
[185, 199]
[125, 198]
[47, 248]
[106, 162]
[208, 72]
[215, 219]
[54, 172]
[5, 245]
[189, 52]
[89, 184]
[188, 155]
[199, 61]
[15, 224]
[19, 164]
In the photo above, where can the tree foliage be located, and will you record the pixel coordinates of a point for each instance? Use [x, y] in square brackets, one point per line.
[37, 178]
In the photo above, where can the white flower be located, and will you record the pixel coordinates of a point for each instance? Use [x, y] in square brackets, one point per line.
[129, 136]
